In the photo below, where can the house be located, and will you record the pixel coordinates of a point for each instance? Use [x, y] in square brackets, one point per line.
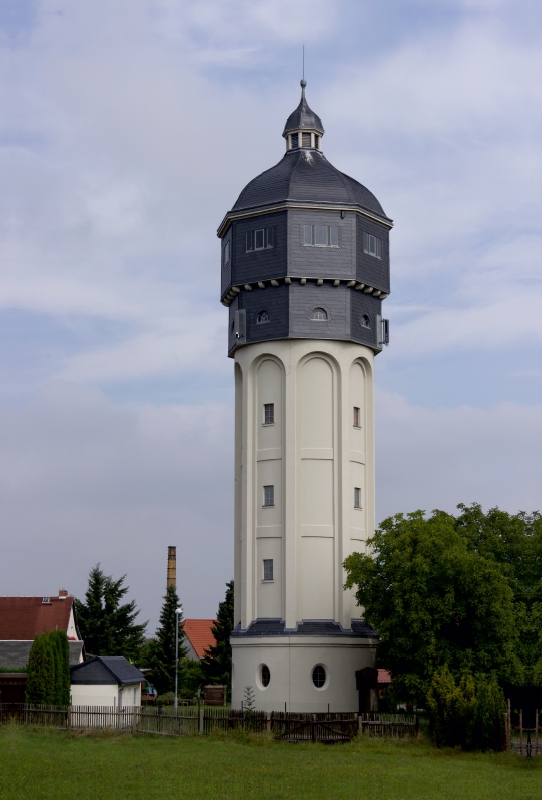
[23, 618]
[106, 681]
[198, 637]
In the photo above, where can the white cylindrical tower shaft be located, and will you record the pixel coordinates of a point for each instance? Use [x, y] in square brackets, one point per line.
[304, 500]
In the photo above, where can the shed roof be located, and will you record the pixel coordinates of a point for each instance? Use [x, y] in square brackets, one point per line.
[106, 669]
[24, 618]
[199, 634]
[384, 677]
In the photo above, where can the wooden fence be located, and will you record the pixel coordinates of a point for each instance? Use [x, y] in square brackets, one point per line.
[394, 726]
[523, 740]
[290, 726]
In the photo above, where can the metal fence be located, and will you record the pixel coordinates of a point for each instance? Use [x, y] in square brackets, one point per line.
[287, 726]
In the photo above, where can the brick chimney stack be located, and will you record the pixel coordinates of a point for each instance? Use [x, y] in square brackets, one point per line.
[172, 567]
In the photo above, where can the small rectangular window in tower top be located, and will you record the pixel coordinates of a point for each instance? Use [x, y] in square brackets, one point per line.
[372, 245]
[268, 569]
[250, 241]
[269, 413]
[295, 141]
[306, 139]
[308, 234]
[357, 498]
[320, 235]
[357, 418]
[269, 495]
[334, 236]
[259, 239]
[226, 252]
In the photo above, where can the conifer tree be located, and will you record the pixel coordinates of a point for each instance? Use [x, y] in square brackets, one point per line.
[61, 651]
[108, 626]
[40, 676]
[161, 649]
[217, 662]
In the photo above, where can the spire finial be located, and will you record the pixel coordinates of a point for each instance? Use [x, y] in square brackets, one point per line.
[303, 82]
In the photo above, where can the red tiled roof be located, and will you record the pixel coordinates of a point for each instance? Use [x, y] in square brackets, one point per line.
[26, 617]
[384, 676]
[198, 632]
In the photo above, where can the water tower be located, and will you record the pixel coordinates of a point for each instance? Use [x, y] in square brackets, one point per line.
[305, 268]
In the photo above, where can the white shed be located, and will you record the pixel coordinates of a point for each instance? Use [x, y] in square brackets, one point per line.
[106, 681]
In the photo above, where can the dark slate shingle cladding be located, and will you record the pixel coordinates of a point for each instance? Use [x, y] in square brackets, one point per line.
[291, 308]
[303, 116]
[259, 265]
[306, 175]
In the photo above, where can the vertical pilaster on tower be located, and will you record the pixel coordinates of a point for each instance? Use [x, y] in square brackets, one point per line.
[172, 567]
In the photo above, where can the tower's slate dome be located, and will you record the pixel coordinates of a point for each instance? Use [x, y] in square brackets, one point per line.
[306, 175]
[305, 249]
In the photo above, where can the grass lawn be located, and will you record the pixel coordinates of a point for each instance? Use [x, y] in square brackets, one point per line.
[59, 765]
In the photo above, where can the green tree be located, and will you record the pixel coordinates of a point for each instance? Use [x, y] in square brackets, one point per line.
[107, 625]
[217, 661]
[40, 676]
[160, 650]
[435, 601]
[61, 651]
[191, 677]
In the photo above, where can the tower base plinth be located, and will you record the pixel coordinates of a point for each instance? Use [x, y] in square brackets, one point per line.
[312, 669]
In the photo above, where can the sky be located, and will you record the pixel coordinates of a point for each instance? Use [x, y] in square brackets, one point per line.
[127, 130]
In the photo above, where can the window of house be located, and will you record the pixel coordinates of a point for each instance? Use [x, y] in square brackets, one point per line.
[268, 569]
[319, 315]
[226, 252]
[319, 676]
[261, 239]
[263, 316]
[372, 245]
[265, 675]
[269, 413]
[357, 497]
[321, 235]
[269, 495]
[295, 140]
[306, 139]
[365, 321]
[357, 417]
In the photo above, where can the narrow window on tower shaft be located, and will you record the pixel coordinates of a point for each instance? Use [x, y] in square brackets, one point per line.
[357, 418]
[268, 569]
[269, 413]
[269, 495]
[357, 498]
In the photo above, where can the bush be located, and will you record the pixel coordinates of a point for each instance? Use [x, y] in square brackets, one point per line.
[468, 713]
